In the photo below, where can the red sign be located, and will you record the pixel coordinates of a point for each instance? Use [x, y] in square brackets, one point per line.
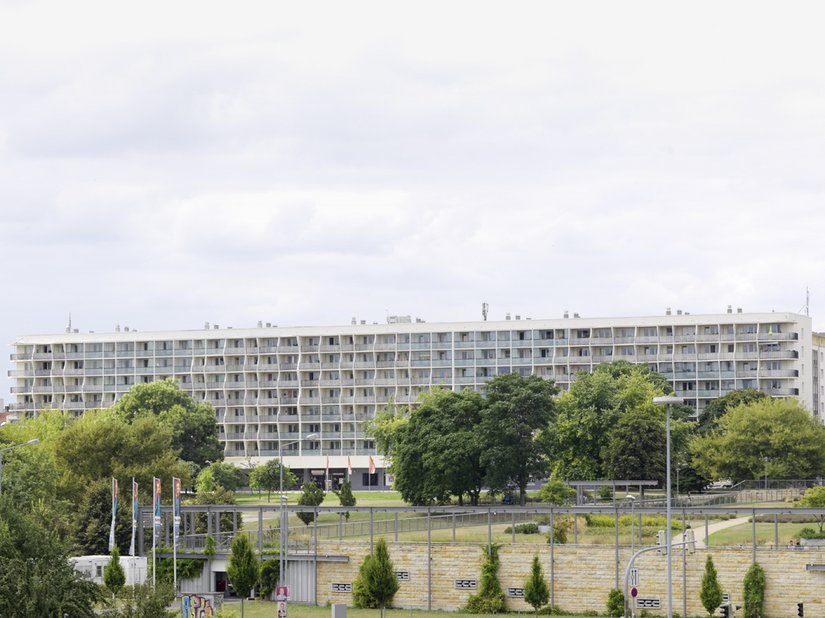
[634, 591]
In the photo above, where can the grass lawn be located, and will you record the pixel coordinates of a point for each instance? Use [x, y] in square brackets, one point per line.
[363, 498]
[741, 535]
[266, 609]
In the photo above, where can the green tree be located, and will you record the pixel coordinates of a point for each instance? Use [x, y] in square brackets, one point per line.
[815, 498]
[615, 603]
[589, 411]
[515, 409]
[144, 601]
[312, 495]
[91, 523]
[636, 445]
[218, 474]
[489, 599]
[711, 593]
[437, 451]
[345, 496]
[536, 592]
[219, 496]
[100, 445]
[555, 491]
[36, 577]
[242, 570]
[753, 591]
[268, 476]
[779, 431]
[193, 426]
[716, 408]
[384, 426]
[376, 583]
[270, 572]
[114, 578]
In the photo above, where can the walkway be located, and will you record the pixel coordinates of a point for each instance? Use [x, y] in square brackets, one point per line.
[720, 525]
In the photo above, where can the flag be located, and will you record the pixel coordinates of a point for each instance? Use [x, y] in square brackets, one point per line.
[176, 507]
[114, 515]
[349, 465]
[326, 471]
[156, 507]
[135, 515]
[372, 465]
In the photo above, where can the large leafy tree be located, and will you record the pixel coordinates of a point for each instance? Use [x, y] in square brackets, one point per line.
[437, 451]
[36, 578]
[716, 408]
[193, 425]
[218, 474]
[100, 445]
[516, 408]
[268, 476]
[777, 433]
[589, 413]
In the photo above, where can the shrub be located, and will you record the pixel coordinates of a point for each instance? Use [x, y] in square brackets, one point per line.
[490, 598]
[535, 588]
[754, 591]
[528, 528]
[562, 526]
[711, 593]
[615, 603]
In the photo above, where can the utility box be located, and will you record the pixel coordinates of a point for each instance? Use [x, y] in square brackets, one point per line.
[339, 610]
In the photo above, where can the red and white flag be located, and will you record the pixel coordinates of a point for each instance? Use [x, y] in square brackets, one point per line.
[349, 465]
[372, 465]
[326, 470]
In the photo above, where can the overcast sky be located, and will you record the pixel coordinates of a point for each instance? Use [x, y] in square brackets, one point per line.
[167, 163]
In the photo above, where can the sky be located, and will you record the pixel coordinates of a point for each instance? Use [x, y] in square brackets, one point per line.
[167, 164]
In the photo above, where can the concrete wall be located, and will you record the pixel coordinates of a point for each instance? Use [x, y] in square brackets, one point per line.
[583, 575]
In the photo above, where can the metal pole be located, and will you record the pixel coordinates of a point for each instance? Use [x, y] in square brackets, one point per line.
[281, 545]
[489, 532]
[632, 521]
[371, 530]
[684, 564]
[753, 535]
[669, 531]
[616, 521]
[707, 532]
[429, 563]
[552, 560]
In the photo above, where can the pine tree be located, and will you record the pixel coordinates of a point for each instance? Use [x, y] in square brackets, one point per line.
[536, 592]
[711, 593]
[376, 584]
[311, 496]
[243, 567]
[345, 496]
[113, 576]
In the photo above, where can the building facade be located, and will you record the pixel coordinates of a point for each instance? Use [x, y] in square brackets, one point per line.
[272, 386]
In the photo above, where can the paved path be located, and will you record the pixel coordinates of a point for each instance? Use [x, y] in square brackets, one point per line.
[715, 527]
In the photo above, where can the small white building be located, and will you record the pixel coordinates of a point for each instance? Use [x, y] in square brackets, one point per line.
[136, 568]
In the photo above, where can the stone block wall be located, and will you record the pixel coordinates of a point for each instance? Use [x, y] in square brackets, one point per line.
[582, 575]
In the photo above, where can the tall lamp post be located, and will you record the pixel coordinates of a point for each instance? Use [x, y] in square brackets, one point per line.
[282, 544]
[8, 448]
[668, 401]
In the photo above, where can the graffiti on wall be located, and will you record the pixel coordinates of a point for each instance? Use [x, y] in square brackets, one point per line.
[199, 606]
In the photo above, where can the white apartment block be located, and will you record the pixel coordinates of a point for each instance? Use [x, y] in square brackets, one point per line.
[269, 383]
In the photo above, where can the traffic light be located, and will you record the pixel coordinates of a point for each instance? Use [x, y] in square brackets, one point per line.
[724, 611]
[661, 541]
[800, 609]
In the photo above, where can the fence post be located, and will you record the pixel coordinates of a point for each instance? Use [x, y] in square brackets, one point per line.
[260, 529]
[429, 564]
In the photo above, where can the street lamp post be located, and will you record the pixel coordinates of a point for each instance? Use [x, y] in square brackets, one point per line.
[632, 517]
[282, 544]
[668, 401]
[8, 448]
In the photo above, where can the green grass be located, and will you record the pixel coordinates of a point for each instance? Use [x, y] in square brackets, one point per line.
[363, 498]
[266, 609]
[741, 535]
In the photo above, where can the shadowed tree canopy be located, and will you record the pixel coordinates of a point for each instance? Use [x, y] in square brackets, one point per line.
[437, 450]
[515, 409]
[714, 409]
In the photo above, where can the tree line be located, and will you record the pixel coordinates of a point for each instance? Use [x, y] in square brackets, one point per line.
[453, 444]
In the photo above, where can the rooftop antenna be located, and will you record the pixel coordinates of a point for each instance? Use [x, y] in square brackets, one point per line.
[69, 327]
[807, 302]
[484, 309]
